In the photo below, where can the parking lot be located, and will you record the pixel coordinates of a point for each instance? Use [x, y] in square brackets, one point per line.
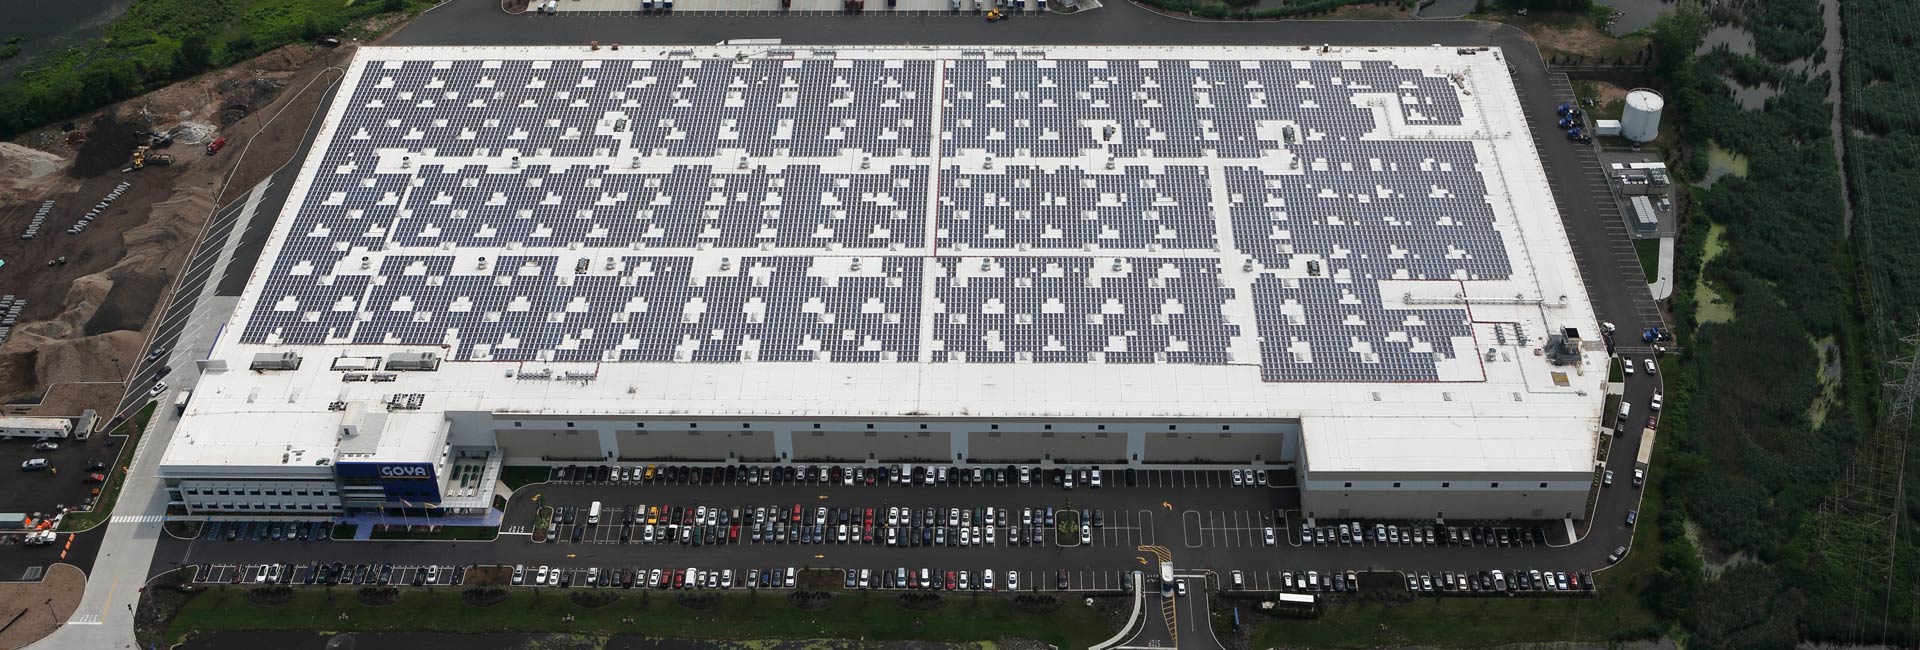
[66, 479]
[711, 526]
[304, 531]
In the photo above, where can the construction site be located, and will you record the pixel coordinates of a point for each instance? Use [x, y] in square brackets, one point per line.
[101, 211]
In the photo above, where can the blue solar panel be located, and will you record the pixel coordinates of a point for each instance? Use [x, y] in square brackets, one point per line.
[687, 210]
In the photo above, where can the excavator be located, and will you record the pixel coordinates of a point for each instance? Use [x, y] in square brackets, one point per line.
[141, 158]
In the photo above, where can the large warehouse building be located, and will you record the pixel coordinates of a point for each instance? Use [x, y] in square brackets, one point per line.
[1342, 262]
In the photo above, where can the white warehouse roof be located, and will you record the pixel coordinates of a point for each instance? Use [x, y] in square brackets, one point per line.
[926, 232]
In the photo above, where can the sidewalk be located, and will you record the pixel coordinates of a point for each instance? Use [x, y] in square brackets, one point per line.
[1662, 286]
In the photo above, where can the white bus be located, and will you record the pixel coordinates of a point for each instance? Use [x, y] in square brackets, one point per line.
[593, 514]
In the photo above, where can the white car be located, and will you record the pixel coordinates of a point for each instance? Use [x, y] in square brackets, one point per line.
[866, 578]
[1094, 477]
[158, 388]
[790, 574]
[966, 537]
[593, 575]
[726, 579]
[1086, 534]
[519, 574]
[1026, 475]
[1268, 533]
[991, 536]
[654, 577]
[1627, 367]
[1237, 481]
[540, 576]
[1651, 369]
[986, 579]
[1013, 581]
[1655, 404]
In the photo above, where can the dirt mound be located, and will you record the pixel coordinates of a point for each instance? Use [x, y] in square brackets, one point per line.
[170, 224]
[26, 174]
[20, 164]
[241, 96]
[109, 143]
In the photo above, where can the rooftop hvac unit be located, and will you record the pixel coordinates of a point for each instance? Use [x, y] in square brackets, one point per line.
[413, 361]
[275, 361]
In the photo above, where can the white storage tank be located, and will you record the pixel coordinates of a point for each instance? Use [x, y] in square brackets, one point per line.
[1640, 121]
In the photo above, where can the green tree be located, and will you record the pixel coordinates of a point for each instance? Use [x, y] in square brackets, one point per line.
[193, 56]
[1677, 33]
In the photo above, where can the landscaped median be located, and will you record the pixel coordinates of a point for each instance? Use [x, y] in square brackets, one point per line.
[1064, 621]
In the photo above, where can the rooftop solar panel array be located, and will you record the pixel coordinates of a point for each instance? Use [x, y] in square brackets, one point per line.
[818, 209]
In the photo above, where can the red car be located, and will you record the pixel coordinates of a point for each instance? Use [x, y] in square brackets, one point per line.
[733, 533]
[215, 146]
[796, 513]
[96, 477]
[950, 581]
[679, 578]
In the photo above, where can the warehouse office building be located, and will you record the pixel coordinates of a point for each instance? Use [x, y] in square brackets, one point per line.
[1338, 262]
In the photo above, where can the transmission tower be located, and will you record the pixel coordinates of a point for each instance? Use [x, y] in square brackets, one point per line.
[1860, 522]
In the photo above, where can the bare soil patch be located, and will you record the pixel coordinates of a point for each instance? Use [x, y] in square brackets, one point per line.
[42, 606]
[66, 400]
